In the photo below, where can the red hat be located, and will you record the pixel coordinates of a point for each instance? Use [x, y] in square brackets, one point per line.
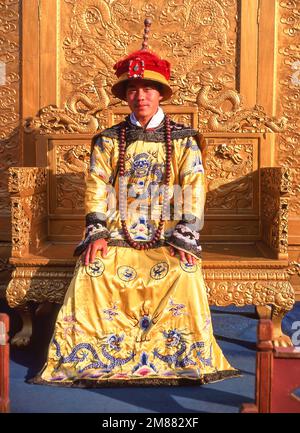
[145, 65]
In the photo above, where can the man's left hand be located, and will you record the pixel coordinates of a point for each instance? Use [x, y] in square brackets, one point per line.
[184, 257]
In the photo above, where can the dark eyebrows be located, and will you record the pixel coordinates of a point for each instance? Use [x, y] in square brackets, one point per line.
[153, 85]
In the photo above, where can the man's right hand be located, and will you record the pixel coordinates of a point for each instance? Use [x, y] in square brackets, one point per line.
[90, 254]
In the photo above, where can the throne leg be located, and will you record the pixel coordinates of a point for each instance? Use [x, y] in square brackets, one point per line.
[279, 338]
[22, 338]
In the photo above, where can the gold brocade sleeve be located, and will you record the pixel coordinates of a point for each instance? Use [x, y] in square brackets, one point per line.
[96, 196]
[186, 235]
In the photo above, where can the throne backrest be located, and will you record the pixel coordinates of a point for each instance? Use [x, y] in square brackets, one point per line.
[232, 162]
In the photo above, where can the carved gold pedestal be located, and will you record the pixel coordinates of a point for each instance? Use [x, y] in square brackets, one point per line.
[240, 284]
[30, 284]
[267, 287]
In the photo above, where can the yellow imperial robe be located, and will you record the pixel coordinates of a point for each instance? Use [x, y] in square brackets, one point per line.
[139, 316]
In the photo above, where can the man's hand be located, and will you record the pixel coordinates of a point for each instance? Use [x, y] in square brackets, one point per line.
[184, 257]
[90, 254]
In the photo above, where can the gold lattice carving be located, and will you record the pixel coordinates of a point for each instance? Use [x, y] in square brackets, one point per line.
[276, 180]
[186, 119]
[279, 236]
[25, 179]
[28, 203]
[192, 33]
[25, 212]
[37, 204]
[20, 226]
[276, 187]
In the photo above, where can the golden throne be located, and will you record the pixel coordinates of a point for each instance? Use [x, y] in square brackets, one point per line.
[245, 237]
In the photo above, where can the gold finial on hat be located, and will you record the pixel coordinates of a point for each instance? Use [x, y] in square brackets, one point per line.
[147, 24]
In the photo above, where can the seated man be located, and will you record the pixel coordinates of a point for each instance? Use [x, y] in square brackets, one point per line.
[136, 311]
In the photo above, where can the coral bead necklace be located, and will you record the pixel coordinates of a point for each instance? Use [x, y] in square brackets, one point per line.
[123, 189]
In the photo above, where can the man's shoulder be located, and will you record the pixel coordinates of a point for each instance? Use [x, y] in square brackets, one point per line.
[112, 132]
[179, 130]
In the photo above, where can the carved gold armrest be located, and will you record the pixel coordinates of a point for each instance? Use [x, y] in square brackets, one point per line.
[275, 192]
[28, 189]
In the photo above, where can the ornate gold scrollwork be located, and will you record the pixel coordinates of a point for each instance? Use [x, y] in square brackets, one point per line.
[276, 186]
[288, 94]
[203, 58]
[10, 143]
[27, 179]
[224, 287]
[237, 118]
[10, 79]
[294, 268]
[37, 288]
[252, 292]
[28, 204]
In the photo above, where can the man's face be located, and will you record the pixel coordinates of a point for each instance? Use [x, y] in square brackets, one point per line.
[143, 98]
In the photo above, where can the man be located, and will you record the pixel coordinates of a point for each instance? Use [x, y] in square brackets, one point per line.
[136, 311]
[143, 98]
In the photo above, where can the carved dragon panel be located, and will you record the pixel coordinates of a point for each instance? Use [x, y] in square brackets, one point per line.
[230, 173]
[199, 37]
[68, 166]
[198, 34]
[71, 165]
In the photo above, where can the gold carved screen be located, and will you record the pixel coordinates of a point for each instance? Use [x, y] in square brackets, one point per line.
[87, 37]
[197, 37]
[288, 104]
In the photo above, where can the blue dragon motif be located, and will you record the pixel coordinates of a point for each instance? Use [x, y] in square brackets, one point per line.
[112, 343]
[174, 338]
